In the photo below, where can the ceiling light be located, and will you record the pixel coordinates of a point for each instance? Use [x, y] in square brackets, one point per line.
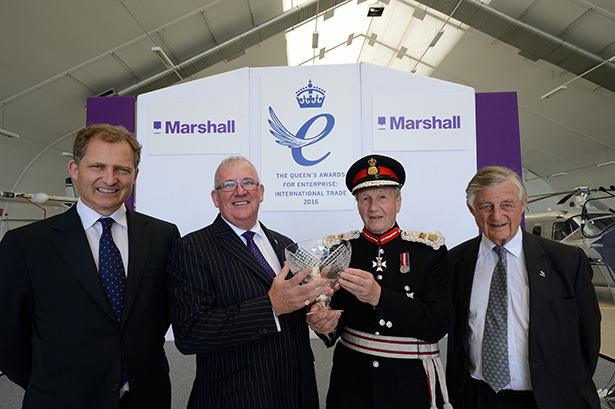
[107, 93]
[163, 57]
[402, 52]
[315, 39]
[556, 175]
[436, 38]
[8, 134]
[554, 92]
[375, 10]
[606, 163]
[372, 39]
[321, 55]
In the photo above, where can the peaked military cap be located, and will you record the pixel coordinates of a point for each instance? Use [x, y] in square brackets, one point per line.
[375, 171]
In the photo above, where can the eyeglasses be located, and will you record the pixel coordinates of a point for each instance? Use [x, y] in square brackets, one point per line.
[231, 185]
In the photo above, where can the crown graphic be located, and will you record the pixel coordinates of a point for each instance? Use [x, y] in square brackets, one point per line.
[310, 96]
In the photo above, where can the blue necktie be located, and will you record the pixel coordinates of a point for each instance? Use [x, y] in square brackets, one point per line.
[111, 269]
[249, 236]
[112, 276]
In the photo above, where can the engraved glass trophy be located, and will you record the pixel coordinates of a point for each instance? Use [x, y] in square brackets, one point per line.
[327, 258]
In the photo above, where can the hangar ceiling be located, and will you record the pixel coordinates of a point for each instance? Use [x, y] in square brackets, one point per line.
[59, 53]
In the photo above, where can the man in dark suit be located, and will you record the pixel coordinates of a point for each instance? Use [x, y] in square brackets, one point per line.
[61, 338]
[247, 328]
[546, 349]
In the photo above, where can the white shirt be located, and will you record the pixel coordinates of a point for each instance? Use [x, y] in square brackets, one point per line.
[518, 310]
[93, 230]
[262, 242]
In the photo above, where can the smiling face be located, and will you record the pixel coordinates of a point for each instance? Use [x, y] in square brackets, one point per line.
[239, 207]
[378, 208]
[498, 212]
[105, 175]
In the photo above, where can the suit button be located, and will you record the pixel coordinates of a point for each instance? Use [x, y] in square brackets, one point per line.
[264, 331]
[382, 323]
[389, 324]
[115, 387]
[379, 277]
[296, 372]
[376, 364]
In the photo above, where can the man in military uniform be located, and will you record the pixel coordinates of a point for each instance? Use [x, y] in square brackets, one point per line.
[396, 302]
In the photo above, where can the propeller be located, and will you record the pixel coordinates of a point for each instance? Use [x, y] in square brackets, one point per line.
[584, 192]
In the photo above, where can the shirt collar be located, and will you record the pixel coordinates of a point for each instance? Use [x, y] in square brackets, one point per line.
[515, 246]
[90, 216]
[239, 231]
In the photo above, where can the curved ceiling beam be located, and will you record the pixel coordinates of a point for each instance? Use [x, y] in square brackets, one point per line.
[233, 47]
[530, 40]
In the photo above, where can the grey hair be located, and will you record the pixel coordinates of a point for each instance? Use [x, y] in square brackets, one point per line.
[492, 176]
[232, 161]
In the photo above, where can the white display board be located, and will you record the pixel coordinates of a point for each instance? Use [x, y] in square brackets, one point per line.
[302, 128]
[302, 147]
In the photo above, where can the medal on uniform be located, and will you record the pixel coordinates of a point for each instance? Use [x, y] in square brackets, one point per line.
[379, 263]
[404, 263]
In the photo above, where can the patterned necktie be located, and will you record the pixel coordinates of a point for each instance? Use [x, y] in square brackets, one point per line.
[495, 340]
[249, 236]
[112, 276]
[111, 269]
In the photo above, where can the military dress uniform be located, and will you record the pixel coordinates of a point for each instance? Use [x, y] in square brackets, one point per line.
[415, 303]
[385, 354]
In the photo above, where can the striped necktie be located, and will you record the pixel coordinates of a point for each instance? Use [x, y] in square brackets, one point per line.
[249, 236]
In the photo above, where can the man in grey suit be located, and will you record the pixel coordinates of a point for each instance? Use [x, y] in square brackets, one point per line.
[536, 344]
[235, 306]
[63, 337]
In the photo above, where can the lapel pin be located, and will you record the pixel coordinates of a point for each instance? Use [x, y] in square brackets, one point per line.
[542, 273]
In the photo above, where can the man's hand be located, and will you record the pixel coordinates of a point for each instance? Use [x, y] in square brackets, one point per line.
[362, 285]
[287, 295]
[323, 322]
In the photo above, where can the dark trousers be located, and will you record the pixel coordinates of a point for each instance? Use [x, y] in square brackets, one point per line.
[125, 401]
[479, 395]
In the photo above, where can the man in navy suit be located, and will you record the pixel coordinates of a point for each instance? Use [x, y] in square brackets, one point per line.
[550, 318]
[247, 328]
[59, 336]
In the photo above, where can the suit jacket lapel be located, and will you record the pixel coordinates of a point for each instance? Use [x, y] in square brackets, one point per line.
[139, 239]
[465, 273]
[538, 270]
[233, 244]
[277, 247]
[72, 245]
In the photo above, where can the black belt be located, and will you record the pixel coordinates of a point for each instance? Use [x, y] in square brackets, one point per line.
[509, 393]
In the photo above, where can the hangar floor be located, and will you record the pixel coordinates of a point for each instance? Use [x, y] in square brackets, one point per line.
[183, 370]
